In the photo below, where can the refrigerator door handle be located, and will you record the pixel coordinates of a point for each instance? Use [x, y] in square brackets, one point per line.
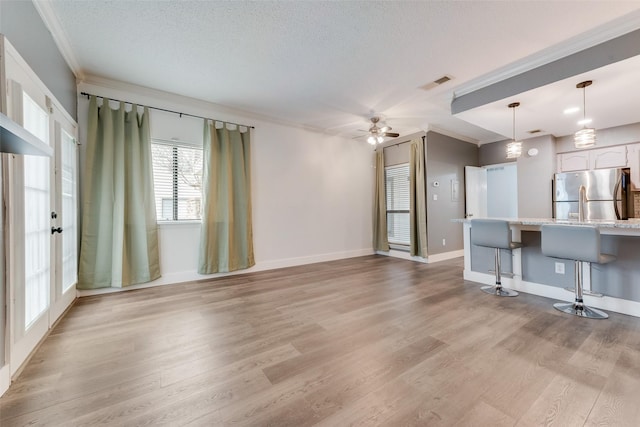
[615, 197]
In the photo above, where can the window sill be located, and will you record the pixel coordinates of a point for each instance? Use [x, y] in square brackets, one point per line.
[399, 247]
[183, 223]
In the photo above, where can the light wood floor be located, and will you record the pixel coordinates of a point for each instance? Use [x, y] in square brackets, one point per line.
[364, 341]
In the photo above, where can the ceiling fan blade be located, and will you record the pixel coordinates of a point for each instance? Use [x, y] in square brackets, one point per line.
[391, 134]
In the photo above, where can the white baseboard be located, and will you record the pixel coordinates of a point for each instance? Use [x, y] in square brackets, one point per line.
[402, 255]
[631, 308]
[192, 275]
[5, 378]
[430, 258]
[445, 256]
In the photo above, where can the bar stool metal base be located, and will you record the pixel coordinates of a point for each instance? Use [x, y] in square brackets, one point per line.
[580, 310]
[499, 291]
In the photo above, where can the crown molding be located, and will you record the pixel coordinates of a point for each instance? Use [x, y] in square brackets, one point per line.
[451, 134]
[51, 21]
[603, 33]
[190, 105]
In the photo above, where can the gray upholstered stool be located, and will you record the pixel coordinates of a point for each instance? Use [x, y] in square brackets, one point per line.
[496, 234]
[580, 244]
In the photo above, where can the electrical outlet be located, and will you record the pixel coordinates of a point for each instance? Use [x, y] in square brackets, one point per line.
[560, 267]
[444, 242]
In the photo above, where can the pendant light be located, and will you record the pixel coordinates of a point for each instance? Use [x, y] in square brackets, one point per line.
[514, 148]
[585, 137]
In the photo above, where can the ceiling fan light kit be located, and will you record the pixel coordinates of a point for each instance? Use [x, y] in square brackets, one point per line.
[585, 137]
[377, 134]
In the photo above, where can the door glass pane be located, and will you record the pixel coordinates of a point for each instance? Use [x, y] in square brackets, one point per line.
[37, 236]
[35, 119]
[69, 212]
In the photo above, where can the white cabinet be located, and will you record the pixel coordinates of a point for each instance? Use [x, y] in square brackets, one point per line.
[633, 162]
[576, 161]
[600, 158]
[608, 157]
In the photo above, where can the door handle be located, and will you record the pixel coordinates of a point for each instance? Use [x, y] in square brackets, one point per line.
[56, 230]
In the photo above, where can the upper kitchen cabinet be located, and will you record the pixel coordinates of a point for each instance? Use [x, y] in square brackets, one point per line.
[576, 161]
[608, 157]
[600, 158]
[634, 165]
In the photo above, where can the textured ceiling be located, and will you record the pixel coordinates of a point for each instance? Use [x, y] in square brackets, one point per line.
[326, 65]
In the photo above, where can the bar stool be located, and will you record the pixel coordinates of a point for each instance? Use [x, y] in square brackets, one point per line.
[580, 244]
[496, 234]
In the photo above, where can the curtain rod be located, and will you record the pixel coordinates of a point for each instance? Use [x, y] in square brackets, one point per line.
[400, 143]
[164, 109]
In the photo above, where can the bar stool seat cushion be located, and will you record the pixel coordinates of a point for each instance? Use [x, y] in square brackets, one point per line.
[492, 233]
[575, 242]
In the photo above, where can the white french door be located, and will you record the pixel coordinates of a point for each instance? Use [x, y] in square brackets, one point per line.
[30, 256]
[45, 227]
[64, 220]
[39, 266]
[475, 185]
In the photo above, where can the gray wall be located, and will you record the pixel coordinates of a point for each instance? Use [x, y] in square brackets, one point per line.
[398, 153]
[446, 159]
[494, 153]
[25, 30]
[534, 178]
[609, 52]
[534, 173]
[626, 134]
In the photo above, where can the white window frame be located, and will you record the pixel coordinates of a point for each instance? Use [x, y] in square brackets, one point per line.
[395, 243]
[177, 144]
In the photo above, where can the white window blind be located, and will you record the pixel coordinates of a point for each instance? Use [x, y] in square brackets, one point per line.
[397, 194]
[177, 179]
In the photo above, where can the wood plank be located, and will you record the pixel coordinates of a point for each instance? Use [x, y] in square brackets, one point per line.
[363, 341]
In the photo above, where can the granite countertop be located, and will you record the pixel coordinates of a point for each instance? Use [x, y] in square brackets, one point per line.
[633, 223]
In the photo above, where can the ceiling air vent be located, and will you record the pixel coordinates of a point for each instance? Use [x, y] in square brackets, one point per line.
[436, 82]
[442, 79]
[534, 131]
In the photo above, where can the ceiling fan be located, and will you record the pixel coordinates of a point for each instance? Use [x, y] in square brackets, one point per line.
[377, 134]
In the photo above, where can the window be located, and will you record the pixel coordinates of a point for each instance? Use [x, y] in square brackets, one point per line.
[69, 212]
[37, 212]
[397, 193]
[35, 119]
[177, 180]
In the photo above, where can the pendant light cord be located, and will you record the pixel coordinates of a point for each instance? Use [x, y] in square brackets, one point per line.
[514, 124]
[584, 106]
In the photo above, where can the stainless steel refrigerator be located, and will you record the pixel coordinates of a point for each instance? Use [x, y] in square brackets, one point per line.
[607, 192]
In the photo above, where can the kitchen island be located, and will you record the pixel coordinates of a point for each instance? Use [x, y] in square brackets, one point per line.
[618, 282]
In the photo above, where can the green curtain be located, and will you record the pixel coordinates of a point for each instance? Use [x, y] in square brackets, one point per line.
[226, 238]
[380, 237]
[119, 245]
[417, 196]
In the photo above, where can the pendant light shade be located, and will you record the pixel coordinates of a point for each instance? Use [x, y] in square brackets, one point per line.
[514, 148]
[585, 137]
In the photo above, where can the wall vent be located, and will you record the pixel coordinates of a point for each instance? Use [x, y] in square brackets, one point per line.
[534, 131]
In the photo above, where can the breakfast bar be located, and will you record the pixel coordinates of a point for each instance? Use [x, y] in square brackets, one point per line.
[613, 287]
